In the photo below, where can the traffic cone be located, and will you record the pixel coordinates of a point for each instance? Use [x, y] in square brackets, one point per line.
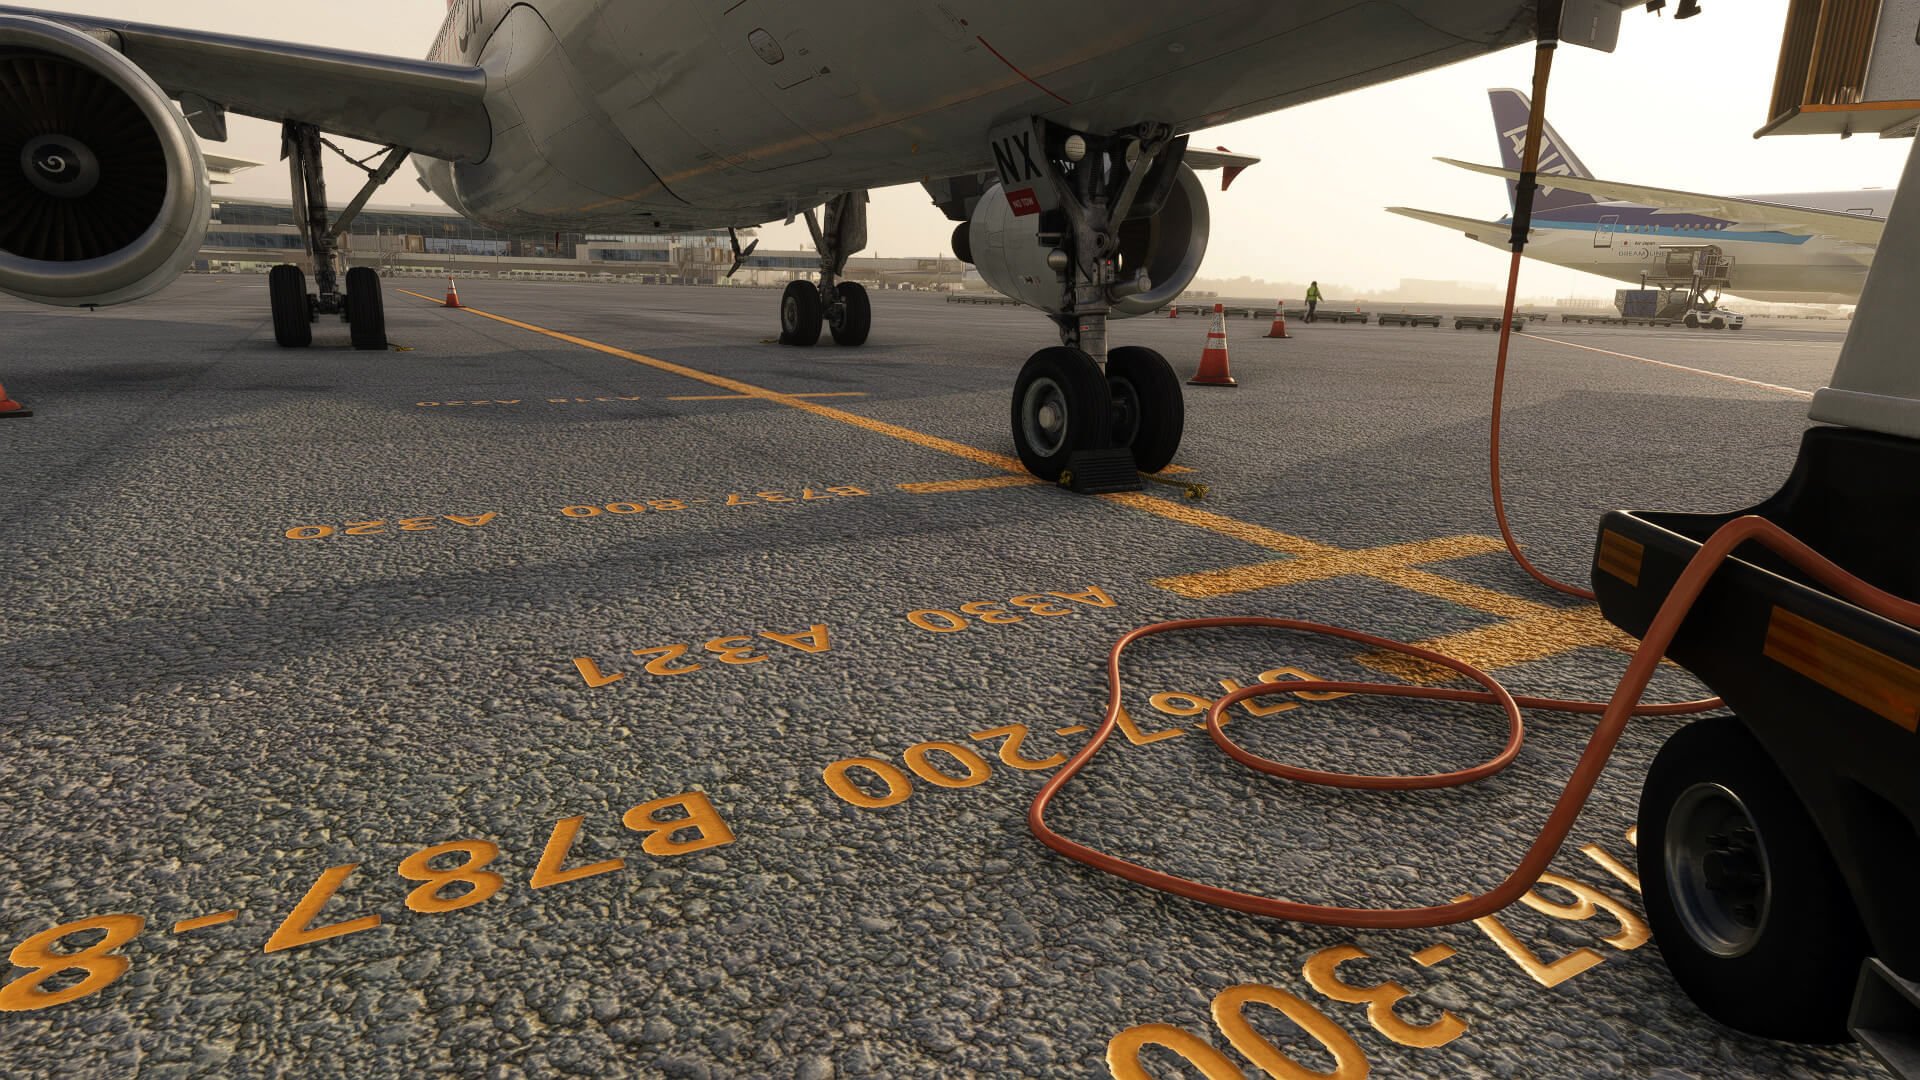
[1213, 361]
[453, 295]
[10, 407]
[1173, 311]
[1279, 320]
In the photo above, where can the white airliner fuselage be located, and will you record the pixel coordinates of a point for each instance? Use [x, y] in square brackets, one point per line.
[1625, 239]
[1804, 246]
[615, 113]
[1055, 134]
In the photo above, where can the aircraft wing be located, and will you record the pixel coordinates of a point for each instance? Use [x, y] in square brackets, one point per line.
[1853, 228]
[430, 108]
[1487, 232]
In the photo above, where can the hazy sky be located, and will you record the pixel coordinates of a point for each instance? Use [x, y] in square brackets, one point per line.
[1312, 208]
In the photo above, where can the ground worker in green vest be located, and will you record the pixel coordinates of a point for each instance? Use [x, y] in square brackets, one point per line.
[1313, 298]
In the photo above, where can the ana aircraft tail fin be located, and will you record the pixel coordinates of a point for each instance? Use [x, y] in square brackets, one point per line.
[1510, 109]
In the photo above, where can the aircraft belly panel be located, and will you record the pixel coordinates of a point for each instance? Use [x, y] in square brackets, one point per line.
[562, 158]
[908, 89]
[1246, 63]
[657, 72]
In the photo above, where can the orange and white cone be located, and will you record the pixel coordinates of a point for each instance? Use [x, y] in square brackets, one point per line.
[10, 407]
[453, 295]
[1173, 311]
[1279, 328]
[1213, 361]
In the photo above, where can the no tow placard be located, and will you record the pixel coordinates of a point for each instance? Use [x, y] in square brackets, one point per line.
[1021, 160]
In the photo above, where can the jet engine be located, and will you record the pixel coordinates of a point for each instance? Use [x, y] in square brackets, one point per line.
[1167, 246]
[103, 191]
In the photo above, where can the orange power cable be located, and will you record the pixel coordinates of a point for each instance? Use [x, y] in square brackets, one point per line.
[1615, 713]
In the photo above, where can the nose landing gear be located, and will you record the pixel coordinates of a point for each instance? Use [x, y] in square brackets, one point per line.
[1100, 415]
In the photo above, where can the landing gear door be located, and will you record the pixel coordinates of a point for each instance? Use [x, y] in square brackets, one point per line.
[1603, 232]
[1021, 159]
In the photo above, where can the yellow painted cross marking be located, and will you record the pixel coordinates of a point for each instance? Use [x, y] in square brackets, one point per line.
[1532, 631]
[1315, 562]
[1515, 641]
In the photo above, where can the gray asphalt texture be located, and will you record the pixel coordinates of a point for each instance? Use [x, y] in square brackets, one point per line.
[201, 714]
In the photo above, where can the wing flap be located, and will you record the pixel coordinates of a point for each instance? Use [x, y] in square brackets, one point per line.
[434, 109]
[1853, 228]
[1496, 233]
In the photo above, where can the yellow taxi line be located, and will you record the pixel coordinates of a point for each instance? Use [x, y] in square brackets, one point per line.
[1258, 535]
[931, 442]
[934, 487]
[748, 397]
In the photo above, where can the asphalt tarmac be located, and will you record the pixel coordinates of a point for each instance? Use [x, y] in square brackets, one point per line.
[698, 738]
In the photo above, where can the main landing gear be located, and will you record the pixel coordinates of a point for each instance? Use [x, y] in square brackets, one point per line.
[360, 305]
[841, 306]
[1103, 415]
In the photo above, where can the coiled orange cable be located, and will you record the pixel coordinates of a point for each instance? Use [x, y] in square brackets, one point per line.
[1613, 718]
[1612, 721]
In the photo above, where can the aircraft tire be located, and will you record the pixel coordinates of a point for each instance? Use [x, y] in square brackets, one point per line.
[1774, 947]
[1149, 411]
[800, 314]
[366, 310]
[1060, 405]
[292, 315]
[856, 314]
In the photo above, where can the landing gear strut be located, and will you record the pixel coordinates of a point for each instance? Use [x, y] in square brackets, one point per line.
[359, 305]
[840, 305]
[1103, 416]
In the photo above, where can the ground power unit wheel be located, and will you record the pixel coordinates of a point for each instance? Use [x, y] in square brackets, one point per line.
[1060, 404]
[366, 309]
[1149, 413]
[855, 314]
[1742, 895]
[292, 314]
[800, 313]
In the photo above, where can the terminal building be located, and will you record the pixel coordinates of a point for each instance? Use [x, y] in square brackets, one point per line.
[256, 234]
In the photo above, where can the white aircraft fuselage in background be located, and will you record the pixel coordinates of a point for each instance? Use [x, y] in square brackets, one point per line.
[1620, 239]
[1803, 246]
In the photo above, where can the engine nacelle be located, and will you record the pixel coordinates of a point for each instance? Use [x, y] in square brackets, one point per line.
[103, 191]
[1168, 246]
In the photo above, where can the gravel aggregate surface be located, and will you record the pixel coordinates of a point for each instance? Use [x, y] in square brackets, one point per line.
[273, 613]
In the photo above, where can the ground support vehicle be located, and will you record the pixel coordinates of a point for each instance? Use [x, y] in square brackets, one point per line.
[1779, 847]
[1715, 319]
